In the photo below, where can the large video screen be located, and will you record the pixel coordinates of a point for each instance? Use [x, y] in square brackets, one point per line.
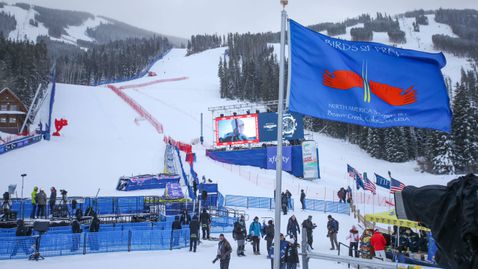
[240, 129]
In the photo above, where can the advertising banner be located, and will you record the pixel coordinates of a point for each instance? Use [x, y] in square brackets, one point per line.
[293, 126]
[286, 158]
[240, 129]
[310, 159]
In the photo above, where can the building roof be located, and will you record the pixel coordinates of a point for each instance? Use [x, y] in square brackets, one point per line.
[14, 96]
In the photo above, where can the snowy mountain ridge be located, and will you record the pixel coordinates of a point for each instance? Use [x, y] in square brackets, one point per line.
[71, 27]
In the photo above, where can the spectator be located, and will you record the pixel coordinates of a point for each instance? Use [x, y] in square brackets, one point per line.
[239, 234]
[292, 254]
[366, 250]
[353, 238]
[378, 243]
[205, 220]
[255, 233]
[342, 193]
[332, 228]
[34, 202]
[302, 199]
[224, 250]
[283, 247]
[75, 238]
[175, 232]
[309, 226]
[6, 206]
[185, 218]
[52, 199]
[289, 199]
[293, 227]
[22, 241]
[193, 233]
[195, 187]
[349, 195]
[94, 228]
[41, 203]
[269, 235]
[284, 203]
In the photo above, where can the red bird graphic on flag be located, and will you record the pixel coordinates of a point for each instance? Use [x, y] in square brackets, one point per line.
[346, 80]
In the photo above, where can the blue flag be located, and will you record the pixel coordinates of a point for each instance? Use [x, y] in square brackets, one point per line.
[366, 83]
[382, 182]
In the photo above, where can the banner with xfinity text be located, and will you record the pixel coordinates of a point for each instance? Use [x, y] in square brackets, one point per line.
[366, 83]
[286, 158]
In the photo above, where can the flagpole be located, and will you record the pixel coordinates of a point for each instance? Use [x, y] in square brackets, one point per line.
[280, 112]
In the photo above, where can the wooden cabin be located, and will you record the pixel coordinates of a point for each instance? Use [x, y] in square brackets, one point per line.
[12, 112]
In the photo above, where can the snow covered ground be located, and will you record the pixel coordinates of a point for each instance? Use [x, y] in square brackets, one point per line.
[206, 252]
[106, 139]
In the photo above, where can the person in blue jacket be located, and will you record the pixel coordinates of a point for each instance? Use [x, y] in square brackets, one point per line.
[255, 230]
[283, 247]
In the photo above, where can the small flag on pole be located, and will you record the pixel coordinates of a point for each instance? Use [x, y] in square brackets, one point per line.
[396, 186]
[356, 176]
[369, 184]
[382, 182]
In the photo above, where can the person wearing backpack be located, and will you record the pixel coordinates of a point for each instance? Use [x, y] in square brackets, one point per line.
[332, 228]
[269, 235]
[239, 234]
[193, 233]
[354, 239]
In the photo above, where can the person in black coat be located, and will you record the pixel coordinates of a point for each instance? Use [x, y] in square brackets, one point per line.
[193, 233]
[52, 201]
[292, 254]
[76, 230]
[239, 234]
[205, 221]
[185, 218]
[309, 226]
[284, 202]
[269, 235]
[302, 199]
[175, 232]
[293, 227]
[93, 237]
[22, 240]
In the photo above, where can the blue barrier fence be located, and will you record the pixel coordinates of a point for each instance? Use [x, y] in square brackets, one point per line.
[52, 244]
[268, 203]
[20, 143]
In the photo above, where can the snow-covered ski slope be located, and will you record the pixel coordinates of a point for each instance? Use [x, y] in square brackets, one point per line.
[106, 139]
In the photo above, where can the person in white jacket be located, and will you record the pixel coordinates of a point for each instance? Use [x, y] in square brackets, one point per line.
[354, 239]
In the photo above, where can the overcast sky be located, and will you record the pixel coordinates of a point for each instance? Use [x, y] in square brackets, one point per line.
[186, 17]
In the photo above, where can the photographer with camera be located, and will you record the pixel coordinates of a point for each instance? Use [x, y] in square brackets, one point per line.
[224, 250]
[309, 226]
[23, 240]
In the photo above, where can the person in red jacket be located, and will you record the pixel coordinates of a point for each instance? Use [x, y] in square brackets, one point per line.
[378, 243]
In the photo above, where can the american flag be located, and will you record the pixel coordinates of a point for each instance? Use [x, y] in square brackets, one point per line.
[356, 176]
[369, 185]
[396, 185]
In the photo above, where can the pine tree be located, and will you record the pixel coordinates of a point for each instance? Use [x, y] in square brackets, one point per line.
[443, 154]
